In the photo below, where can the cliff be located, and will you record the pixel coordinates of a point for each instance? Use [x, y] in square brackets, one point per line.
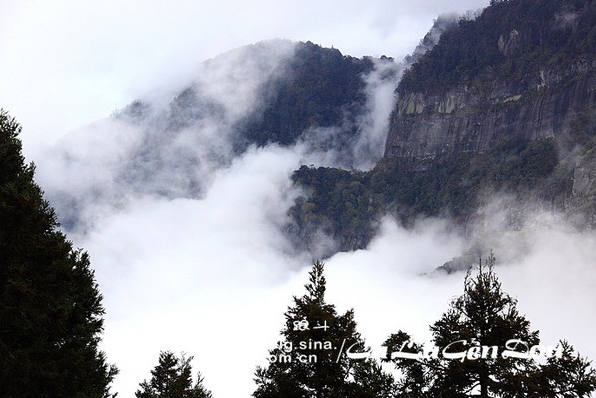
[474, 119]
[521, 69]
[504, 103]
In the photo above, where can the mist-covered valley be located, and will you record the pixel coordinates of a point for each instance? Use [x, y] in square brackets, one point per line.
[203, 205]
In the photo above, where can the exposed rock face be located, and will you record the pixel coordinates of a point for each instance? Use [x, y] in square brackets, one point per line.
[508, 45]
[502, 107]
[522, 69]
[464, 118]
[584, 178]
[582, 203]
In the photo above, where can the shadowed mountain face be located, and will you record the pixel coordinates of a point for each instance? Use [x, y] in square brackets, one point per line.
[503, 105]
[169, 145]
[522, 69]
[269, 93]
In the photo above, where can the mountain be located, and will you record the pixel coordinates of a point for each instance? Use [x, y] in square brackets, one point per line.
[495, 104]
[169, 144]
[503, 105]
[302, 86]
[522, 69]
[273, 92]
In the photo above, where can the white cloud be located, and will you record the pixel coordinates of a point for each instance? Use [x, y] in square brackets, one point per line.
[203, 276]
[67, 63]
[554, 279]
[212, 277]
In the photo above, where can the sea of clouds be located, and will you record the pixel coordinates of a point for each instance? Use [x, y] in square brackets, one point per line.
[185, 235]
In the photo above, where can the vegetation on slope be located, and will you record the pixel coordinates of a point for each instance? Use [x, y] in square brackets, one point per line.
[320, 87]
[509, 41]
[538, 33]
[346, 205]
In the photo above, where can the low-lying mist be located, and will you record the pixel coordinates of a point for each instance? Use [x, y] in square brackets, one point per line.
[212, 277]
[186, 234]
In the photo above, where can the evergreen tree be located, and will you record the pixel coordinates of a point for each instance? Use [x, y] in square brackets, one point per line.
[567, 377]
[299, 368]
[172, 378]
[50, 307]
[486, 316]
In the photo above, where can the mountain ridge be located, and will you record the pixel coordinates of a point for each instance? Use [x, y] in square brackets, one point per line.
[512, 116]
[490, 110]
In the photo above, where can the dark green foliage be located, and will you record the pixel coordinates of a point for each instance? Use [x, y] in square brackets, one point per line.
[315, 87]
[485, 314]
[172, 378]
[50, 307]
[296, 374]
[569, 376]
[347, 205]
[339, 203]
[319, 88]
[470, 53]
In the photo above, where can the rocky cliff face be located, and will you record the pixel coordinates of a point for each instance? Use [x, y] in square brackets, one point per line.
[503, 106]
[474, 119]
[522, 69]
[582, 201]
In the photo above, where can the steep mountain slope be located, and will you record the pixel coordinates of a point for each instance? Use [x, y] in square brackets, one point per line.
[271, 92]
[522, 69]
[504, 104]
[169, 145]
[302, 86]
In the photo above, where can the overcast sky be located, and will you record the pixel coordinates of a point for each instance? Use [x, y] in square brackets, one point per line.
[67, 63]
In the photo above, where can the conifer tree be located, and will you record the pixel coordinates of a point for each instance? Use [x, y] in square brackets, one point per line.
[300, 368]
[570, 376]
[50, 306]
[485, 316]
[172, 378]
